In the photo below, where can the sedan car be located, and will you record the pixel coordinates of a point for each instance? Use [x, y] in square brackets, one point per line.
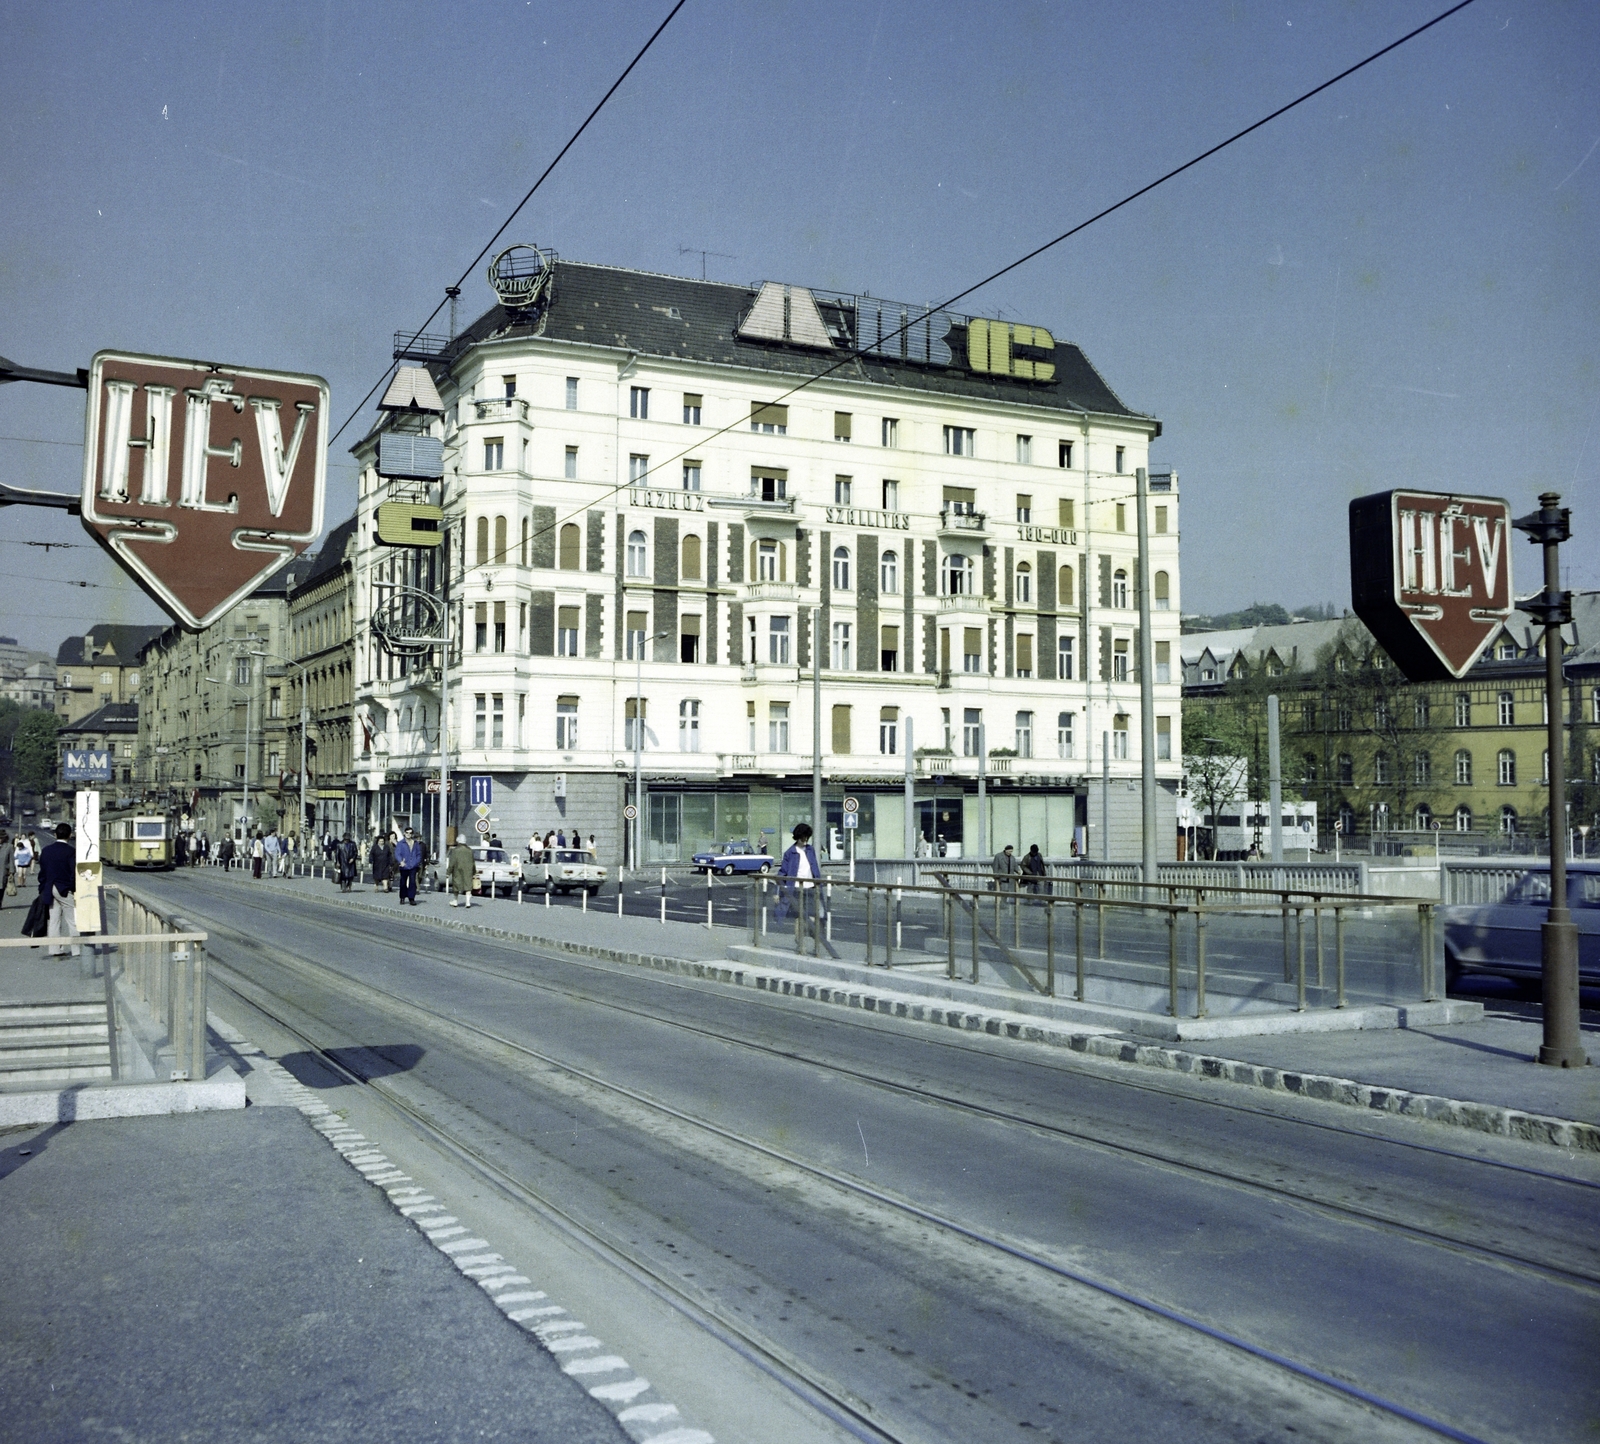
[564, 869]
[497, 871]
[734, 857]
[1503, 938]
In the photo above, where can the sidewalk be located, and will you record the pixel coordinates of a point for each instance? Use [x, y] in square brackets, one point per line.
[1478, 1075]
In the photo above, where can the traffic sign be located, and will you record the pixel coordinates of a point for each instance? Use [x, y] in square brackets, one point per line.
[482, 824]
[630, 812]
[482, 809]
[852, 819]
[851, 804]
[480, 789]
[1430, 575]
[228, 483]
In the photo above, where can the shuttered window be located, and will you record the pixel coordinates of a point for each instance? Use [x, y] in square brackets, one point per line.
[774, 420]
[1025, 655]
[841, 730]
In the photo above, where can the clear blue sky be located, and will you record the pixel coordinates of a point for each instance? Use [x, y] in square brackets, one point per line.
[1394, 285]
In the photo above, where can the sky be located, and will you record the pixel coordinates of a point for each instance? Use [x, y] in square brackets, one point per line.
[1393, 285]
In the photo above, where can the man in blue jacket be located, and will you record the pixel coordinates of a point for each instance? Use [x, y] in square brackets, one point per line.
[58, 882]
[408, 858]
[800, 875]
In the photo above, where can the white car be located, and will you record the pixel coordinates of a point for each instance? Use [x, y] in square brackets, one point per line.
[564, 869]
[496, 871]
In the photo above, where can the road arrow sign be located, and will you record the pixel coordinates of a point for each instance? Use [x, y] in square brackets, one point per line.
[202, 480]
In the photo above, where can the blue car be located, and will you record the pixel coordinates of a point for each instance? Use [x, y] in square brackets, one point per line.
[732, 858]
[1503, 937]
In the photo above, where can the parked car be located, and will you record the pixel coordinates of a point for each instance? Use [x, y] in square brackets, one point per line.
[1503, 938]
[734, 857]
[497, 871]
[564, 869]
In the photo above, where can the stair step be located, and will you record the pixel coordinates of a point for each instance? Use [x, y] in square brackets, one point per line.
[12, 1013]
[68, 1073]
[42, 1033]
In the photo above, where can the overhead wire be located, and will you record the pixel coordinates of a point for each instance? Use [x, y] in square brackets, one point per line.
[615, 85]
[1144, 190]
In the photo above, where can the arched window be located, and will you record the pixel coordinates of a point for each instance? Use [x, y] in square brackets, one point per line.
[1163, 592]
[483, 541]
[1506, 767]
[1463, 768]
[1024, 584]
[1066, 589]
[1508, 820]
[636, 554]
[1422, 818]
[1463, 818]
[1422, 769]
[688, 725]
[567, 555]
[691, 558]
[1119, 589]
[955, 575]
[524, 556]
[500, 540]
[1508, 710]
[841, 569]
[889, 573]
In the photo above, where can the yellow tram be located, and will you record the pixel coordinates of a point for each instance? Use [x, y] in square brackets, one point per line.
[134, 840]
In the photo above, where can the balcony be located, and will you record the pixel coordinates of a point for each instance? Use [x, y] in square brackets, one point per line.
[963, 523]
[963, 602]
[770, 591]
[501, 408]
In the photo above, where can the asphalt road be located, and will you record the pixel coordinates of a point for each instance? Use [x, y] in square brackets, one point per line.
[1461, 1280]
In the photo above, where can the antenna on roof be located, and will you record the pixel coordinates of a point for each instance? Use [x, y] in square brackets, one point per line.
[696, 251]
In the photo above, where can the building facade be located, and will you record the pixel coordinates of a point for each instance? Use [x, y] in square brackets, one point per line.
[99, 668]
[319, 682]
[113, 728]
[654, 537]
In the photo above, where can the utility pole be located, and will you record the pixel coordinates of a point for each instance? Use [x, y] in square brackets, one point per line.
[983, 792]
[444, 690]
[1563, 1042]
[911, 829]
[1274, 779]
[1147, 696]
[1105, 796]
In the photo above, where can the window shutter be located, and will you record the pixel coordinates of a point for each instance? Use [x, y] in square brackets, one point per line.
[841, 729]
[841, 426]
[689, 624]
[1025, 652]
[569, 618]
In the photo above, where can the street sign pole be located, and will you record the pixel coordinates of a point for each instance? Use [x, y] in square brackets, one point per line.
[1563, 1042]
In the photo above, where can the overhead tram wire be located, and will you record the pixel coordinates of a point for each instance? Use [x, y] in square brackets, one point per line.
[1037, 251]
[516, 210]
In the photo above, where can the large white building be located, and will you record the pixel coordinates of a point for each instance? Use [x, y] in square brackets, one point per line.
[639, 502]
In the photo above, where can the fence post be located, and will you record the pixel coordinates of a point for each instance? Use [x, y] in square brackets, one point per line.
[1100, 909]
[1430, 989]
[1300, 970]
[1077, 909]
[1050, 947]
[1288, 968]
[1316, 920]
[1172, 961]
[1199, 962]
[1338, 949]
[949, 935]
[976, 902]
[868, 896]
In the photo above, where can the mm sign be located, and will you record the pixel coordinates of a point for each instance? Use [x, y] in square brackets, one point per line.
[1430, 575]
[200, 479]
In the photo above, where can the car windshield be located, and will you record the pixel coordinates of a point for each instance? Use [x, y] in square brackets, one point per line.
[492, 854]
[1532, 889]
[570, 856]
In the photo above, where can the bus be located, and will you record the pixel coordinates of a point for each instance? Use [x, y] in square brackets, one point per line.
[136, 840]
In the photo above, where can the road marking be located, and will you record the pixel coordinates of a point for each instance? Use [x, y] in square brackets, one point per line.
[648, 1413]
[619, 1393]
[460, 1245]
[518, 1315]
[600, 1364]
[553, 1327]
[571, 1345]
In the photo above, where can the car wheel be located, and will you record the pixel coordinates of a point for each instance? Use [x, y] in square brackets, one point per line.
[726, 869]
[766, 867]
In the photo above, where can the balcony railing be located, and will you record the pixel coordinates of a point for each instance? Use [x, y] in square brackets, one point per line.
[969, 522]
[501, 408]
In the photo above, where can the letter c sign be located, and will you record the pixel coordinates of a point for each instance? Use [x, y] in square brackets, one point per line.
[991, 349]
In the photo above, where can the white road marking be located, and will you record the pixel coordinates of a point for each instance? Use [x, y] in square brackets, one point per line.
[619, 1393]
[681, 1436]
[436, 1234]
[518, 1315]
[571, 1344]
[558, 1326]
[648, 1413]
[466, 1265]
[521, 1296]
[600, 1364]
[461, 1245]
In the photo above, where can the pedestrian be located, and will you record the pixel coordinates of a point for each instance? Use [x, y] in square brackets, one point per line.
[349, 860]
[382, 861]
[550, 839]
[1033, 867]
[460, 872]
[594, 851]
[408, 858]
[1006, 868]
[22, 858]
[258, 854]
[58, 881]
[180, 849]
[799, 873]
[269, 854]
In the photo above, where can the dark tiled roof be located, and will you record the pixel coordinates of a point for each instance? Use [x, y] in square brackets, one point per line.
[113, 717]
[631, 310]
[331, 557]
[125, 640]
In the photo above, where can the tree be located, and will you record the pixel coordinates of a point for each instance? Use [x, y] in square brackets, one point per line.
[33, 750]
[1215, 760]
[266, 813]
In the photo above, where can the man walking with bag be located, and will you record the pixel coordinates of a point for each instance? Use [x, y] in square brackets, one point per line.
[58, 884]
[407, 859]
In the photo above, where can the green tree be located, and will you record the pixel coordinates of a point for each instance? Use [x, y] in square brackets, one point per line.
[33, 750]
[1218, 740]
[266, 813]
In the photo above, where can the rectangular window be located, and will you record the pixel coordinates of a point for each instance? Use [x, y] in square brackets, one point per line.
[960, 500]
[1066, 745]
[275, 763]
[570, 468]
[510, 385]
[971, 727]
[691, 408]
[567, 631]
[889, 649]
[480, 719]
[635, 637]
[1119, 736]
[1024, 734]
[888, 730]
[842, 487]
[522, 714]
[691, 476]
[1164, 669]
[891, 431]
[1064, 455]
[841, 646]
[778, 642]
[494, 453]
[769, 483]
[635, 718]
[480, 626]
[972, 649]
[891, 496]
[750, 721]
[767, 561]
[638, 468]
[572, 393]
[497, 736]
[1025, 450]
[1122, 452]
[1064, 658]
[1464, 708]
[1119, 661]
[958, 441]
[1024, 507]
[771, 420]
[1122, 516]
[1508, 710]
[1161, 520]
[689, 725]
[841, 731]
[1065, 511]
[275, 702]
[566, 724]
[639, 403]
[1163, 739]
[689, 639]
[777, 727]
[841, 425]
[499, 626]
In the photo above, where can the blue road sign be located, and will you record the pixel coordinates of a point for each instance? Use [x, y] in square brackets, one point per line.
[86, 765]
[480, 789]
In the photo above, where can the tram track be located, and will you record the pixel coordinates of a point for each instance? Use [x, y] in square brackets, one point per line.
[1080, 1134]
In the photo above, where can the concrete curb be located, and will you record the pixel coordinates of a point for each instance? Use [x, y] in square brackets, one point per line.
[225, 1089]
[1495, 1119]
